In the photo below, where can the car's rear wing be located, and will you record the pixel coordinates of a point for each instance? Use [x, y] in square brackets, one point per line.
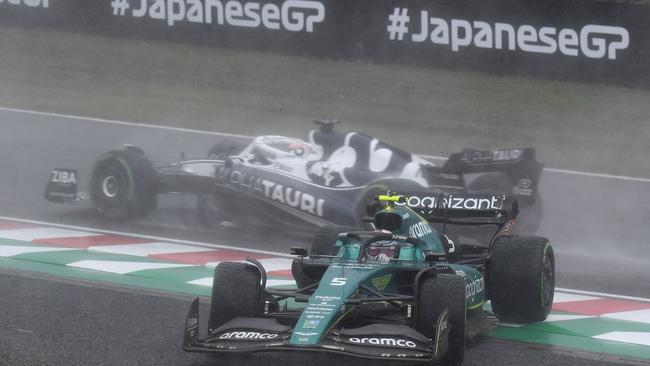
[519, 166]
[62, 186]
[462, 208]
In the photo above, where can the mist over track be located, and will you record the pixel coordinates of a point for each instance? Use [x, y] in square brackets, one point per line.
[593, 222]
[598, 224]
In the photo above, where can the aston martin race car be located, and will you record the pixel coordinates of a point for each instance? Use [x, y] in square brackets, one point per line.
[327, 179]
[404, 291]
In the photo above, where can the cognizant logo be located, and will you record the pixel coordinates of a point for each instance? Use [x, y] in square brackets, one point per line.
[460, 203]
[592, 40]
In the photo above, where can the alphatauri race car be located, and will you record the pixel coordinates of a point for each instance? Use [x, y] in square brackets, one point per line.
[404, 291]
[287, 181]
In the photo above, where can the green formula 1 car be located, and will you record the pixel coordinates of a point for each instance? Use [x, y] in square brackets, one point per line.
[403, 291]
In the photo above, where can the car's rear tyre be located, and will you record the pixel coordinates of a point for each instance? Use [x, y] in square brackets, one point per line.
[323, 244]
[521, 278]
[435, 294]
[123, 184]
[366, 204]
[326, 237]
[235, 293]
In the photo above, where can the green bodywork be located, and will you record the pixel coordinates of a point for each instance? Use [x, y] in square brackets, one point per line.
[350, 269]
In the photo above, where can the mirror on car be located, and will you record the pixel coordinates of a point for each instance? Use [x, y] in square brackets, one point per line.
[299, 251]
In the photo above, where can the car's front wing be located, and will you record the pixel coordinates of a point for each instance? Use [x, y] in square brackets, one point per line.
[377, 341]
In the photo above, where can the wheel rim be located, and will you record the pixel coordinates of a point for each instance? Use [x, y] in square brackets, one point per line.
[547, 280]
[110, 186]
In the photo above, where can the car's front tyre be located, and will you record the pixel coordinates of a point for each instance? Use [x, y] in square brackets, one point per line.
[435, 295]
[235, 293]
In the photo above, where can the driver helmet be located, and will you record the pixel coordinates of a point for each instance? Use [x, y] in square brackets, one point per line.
[273, 148]
[299, 149]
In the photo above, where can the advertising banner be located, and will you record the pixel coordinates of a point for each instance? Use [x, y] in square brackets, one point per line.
[576, 40]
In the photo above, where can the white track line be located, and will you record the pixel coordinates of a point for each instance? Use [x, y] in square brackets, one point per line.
[123, 123]
[598, 175]
[149, 237]
[204, 132]
[566, 171]
[602, 294]
[219, 246]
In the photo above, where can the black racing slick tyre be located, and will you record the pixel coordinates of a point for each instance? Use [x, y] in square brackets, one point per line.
[235, 293]
[123, 184]
[367, 204]
[521, 278]
[323, 244]
[326, 237]
[435, 294]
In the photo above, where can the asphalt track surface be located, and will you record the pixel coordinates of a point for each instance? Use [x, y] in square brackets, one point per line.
[596, 224]
[57, 322]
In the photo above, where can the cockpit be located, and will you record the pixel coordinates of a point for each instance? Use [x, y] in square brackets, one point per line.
[279, 149]
[383, 251]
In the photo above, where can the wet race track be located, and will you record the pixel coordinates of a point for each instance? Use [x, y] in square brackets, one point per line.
[62, 319]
